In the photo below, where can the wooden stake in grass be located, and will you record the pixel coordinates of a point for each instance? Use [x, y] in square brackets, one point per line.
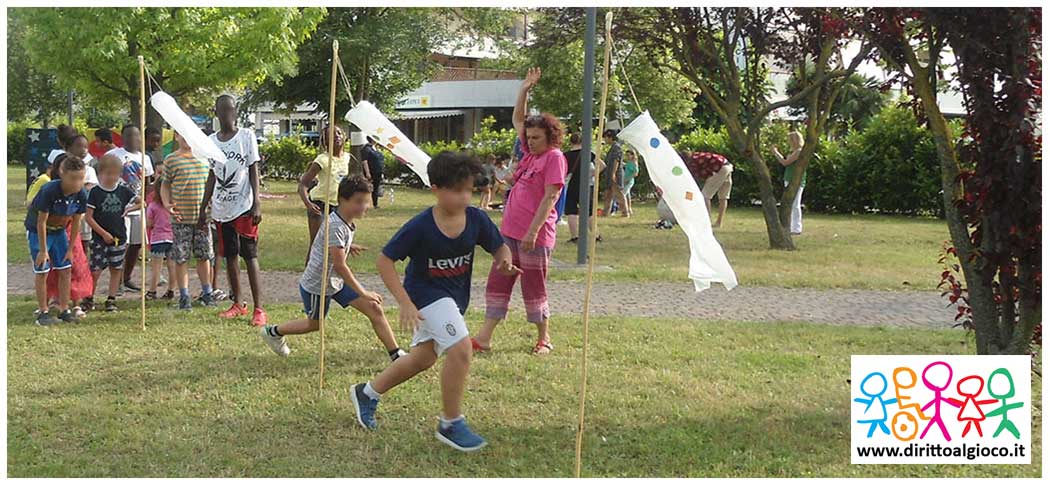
[142, 185]
[591, 247]
[328, 205]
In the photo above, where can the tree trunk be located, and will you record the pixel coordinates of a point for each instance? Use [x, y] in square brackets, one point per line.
[779, 235]
[153, 118]
[979, 291]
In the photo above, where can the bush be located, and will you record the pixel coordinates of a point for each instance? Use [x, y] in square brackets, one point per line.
[16, 141]
[490, 141]
[287, 157]
[890, 167]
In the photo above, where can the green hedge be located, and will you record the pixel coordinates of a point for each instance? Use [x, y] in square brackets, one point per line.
[890, 167]
[287, 157]
[16, 141]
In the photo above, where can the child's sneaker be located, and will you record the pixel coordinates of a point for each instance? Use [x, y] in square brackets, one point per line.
[151, 295]
[206, 300]
[218, 295]
[365, 406]
[44, 318]
[459, 436]
[77, 311]
[236, 310]
[68, 316]
[87, 304]
[111, 304]
[276, 343]
[184, 304]
[169, 295]
[130, 286]
[259, 317]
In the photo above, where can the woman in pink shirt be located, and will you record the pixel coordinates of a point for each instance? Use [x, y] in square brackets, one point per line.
[529, 222]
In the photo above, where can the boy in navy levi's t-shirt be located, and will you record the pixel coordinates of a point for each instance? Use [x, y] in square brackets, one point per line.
[439, 243]
[440, 266]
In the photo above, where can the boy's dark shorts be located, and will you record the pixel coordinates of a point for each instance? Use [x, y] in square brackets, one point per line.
[239, 237]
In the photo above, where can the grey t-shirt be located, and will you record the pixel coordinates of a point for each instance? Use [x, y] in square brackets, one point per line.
[340, 234]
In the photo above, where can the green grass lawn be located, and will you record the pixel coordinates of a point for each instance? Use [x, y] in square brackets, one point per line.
[836, 251]
[193, 396]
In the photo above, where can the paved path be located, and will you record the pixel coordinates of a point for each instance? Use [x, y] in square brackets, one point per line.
[664, 299]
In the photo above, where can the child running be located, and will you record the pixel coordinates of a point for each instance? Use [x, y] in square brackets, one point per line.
[440, 243]
[58, 203]
[107, 206]
[354, 197]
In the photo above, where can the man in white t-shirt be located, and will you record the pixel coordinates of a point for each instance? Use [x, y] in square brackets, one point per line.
[233, 192]
[134, 161]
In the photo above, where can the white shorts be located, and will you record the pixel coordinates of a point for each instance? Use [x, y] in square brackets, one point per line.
[133, 224]
[720, 183]
[443, 324]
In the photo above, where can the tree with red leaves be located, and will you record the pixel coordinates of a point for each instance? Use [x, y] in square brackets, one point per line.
[991, 178]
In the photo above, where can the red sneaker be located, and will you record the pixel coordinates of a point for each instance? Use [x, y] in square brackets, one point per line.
[258, 317]
[236, 310]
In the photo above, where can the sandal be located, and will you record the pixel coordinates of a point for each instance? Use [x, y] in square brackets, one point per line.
[542, 345]
[477, 347]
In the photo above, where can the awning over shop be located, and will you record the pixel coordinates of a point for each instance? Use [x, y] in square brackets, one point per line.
[425, 114]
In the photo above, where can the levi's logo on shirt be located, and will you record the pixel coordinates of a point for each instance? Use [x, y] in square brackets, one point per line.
[448, 267]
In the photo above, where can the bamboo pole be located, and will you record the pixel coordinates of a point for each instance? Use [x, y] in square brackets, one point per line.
[144, 250]
[591, 247]
[327, 206]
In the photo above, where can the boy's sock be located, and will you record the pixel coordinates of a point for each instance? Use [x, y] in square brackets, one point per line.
[206, 289]
[272, 331]
[371, 392]
[446, 423]
[184, 293]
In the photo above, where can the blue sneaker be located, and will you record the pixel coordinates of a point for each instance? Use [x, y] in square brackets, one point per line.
[459, 436]
[365, 407]
[184, 304]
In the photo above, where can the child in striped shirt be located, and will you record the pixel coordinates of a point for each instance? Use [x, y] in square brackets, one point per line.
[182, 191]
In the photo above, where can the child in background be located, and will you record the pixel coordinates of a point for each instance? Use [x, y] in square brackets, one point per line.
[354, 195]
[502, 179]
[232, 191]
[57, 204]
[182, 191]
[107, 205]
[79, 147]
[80, 284]
[440, 243]
[314, 183]
[486, 182]
[158, 224]
[630, 171]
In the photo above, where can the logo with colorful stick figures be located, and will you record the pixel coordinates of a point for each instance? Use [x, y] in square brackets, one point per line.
[900, 406]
